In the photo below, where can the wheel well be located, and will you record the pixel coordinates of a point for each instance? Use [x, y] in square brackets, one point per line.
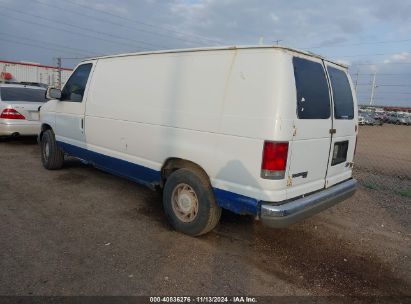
[44, 127]
[173, 164]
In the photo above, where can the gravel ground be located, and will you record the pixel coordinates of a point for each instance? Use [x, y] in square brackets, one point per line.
[80, 231]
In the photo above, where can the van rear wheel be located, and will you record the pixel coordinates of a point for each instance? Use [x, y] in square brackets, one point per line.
[189, 202]
[51, 155]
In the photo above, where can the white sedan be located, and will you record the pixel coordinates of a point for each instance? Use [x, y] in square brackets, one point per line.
[19, 109]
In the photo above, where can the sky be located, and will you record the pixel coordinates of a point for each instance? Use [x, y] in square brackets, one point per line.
[370, 36]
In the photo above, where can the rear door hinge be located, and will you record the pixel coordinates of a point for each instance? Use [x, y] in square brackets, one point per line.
[289, 181]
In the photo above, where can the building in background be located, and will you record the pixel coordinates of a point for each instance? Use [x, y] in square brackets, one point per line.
[32, 72]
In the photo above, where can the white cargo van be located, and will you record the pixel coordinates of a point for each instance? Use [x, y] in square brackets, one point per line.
[266, 131]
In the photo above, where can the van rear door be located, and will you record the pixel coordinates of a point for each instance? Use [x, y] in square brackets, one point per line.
[344, 126]
[310, 146]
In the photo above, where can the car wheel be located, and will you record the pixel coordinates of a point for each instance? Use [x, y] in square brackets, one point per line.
[51, 155]
[189, 203]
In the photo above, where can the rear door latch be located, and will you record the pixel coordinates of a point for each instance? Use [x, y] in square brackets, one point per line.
[333, 131]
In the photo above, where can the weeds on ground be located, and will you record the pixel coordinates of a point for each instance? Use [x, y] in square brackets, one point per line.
[405, 192]
[371, 185]
[376, 186]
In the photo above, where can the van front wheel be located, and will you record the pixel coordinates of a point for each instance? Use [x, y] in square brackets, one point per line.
[51, 155]
[189, 202]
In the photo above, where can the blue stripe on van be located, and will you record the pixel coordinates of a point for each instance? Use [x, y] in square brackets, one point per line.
[131, 171]
[225, 199]
[236, 203]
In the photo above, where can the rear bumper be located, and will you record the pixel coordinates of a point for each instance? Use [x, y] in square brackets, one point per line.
[280, 216]
[29, 128]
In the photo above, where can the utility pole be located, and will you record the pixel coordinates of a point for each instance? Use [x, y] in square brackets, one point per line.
[373, 89]
[356, 81]
[59, 72]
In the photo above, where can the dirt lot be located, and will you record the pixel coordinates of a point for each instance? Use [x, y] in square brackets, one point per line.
[385, 150]
[82, 231]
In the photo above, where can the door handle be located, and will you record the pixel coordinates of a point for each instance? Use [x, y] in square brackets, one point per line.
[333, 131]
[82, 123]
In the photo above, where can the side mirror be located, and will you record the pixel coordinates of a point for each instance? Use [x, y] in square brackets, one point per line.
[53, 93]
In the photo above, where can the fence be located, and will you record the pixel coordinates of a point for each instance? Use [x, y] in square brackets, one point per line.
[383, 158]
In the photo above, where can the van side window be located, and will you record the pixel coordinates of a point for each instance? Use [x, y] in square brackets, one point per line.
[313, 99]
[342, 94]
[75, 86]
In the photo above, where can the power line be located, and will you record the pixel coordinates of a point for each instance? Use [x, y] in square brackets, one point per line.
[66, 30]
[80, 27]
[45, 42]
[378, 54]
[398, 99]
[111, 22]
[394, 85]
[385, 74]
[101, 20]
[401, 93]
[385, 85]
[146, 24]
[361, 43]
[36, 46]
[391, 93]
[377, 63]
[75, 58]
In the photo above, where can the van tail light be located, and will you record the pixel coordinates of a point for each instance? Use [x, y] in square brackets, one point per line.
[11, 114]
[274, 161]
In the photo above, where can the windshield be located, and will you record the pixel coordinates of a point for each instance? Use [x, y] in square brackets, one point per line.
[22, 94]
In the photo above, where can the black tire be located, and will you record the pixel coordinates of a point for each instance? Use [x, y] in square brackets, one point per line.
[208, 213]
[54, 159]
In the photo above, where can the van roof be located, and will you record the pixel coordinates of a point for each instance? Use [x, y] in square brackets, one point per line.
[218, 48]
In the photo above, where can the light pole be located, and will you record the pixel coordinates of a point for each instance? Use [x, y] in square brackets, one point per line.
[373, 89]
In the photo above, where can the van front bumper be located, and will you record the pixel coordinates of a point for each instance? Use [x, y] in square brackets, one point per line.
[282, 215]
